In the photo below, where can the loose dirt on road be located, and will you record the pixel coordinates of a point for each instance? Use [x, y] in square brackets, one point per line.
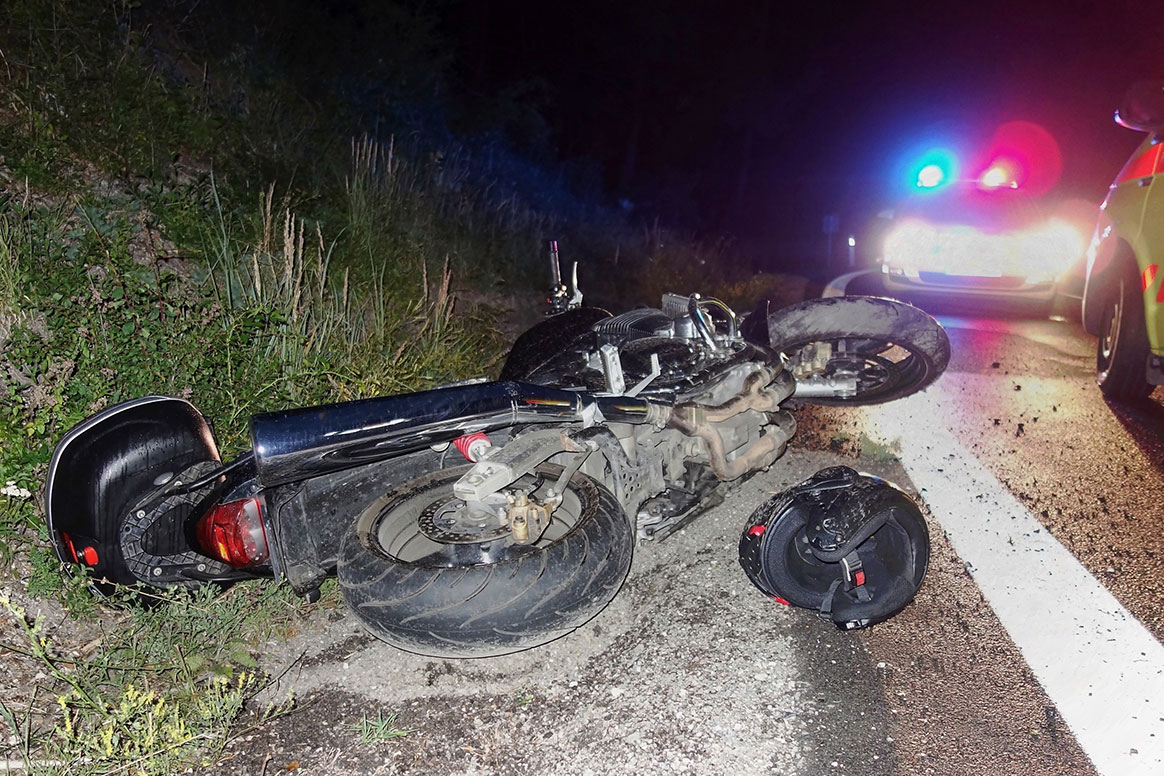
[690, 670]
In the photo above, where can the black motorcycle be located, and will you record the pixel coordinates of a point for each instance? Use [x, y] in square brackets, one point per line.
[485, 517]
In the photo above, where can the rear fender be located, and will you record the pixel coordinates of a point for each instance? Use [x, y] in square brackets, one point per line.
[108, 463]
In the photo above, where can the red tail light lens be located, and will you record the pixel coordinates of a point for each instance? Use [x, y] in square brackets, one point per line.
[234, 533]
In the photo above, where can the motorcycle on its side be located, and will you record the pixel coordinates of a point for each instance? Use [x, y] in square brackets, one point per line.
[486, 517]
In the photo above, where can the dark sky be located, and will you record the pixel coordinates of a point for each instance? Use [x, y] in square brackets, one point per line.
[744, 116]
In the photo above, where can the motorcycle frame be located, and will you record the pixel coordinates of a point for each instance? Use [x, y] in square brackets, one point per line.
[313, 469]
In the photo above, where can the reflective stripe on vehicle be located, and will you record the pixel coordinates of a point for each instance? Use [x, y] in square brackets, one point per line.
[1146, 278]
[1148, 163]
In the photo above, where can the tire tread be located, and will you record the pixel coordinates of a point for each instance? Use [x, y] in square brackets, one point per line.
[498, 608]
[1124, 376]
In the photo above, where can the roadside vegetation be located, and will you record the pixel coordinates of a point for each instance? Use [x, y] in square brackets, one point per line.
[186, 213]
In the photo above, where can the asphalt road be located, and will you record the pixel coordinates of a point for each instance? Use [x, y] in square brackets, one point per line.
[1092, 472]
[1032, 648]
[1053, 498]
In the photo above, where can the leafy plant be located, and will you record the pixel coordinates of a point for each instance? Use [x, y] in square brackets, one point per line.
[152, 699]
[380, 728]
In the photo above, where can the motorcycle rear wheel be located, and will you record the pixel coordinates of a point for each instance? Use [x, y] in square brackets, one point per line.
[894, 349]
[425, 579]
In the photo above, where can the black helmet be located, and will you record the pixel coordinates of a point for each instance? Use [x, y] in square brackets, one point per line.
[851, 546]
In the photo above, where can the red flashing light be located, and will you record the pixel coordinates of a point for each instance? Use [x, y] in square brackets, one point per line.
[1030, 155]
[1002, 174]
[234, 533]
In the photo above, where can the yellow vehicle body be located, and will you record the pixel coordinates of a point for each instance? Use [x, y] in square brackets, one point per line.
[1123, 301]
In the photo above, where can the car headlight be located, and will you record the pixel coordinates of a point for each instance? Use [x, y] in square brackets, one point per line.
[910, 245]
[1039, 254]
[1047, 251]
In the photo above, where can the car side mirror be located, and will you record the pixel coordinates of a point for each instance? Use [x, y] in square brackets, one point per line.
[1143, 107]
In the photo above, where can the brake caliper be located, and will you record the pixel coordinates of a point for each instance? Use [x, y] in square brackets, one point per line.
[528, 519]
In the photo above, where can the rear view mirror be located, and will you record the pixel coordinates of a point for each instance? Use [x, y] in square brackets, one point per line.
[1143, 107]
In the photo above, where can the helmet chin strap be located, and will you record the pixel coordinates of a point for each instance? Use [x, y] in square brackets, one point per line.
[851, 581]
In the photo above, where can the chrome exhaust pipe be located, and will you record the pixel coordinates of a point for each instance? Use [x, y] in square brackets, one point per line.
[294, 445]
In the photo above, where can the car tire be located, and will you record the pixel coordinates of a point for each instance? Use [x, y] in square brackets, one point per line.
[1121, 353]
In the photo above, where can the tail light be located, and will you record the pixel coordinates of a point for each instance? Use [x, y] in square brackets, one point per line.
[234, 533]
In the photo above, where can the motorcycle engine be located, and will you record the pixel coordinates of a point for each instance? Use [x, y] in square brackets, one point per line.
[688, 354]
[665, 351]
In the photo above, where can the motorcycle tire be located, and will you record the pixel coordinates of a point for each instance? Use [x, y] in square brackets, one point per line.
[895, 348]
[424, 588]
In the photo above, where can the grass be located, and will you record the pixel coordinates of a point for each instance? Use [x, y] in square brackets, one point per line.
[265, 322]
[162, 693]
[380, 728]
[219, 236]
[10, 275]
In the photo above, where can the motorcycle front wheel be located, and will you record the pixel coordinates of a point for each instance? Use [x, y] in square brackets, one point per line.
[426, 573]
[892, 349]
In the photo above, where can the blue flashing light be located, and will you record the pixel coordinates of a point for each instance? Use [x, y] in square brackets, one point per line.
[934, 169]
[931, 176]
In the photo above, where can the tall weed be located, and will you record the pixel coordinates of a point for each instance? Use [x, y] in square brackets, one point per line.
[11, 275]
[271, 325]
[327, 337]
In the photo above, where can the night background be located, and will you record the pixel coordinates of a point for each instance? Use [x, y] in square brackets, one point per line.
[270, 204]
[744, 122]
[756, 119]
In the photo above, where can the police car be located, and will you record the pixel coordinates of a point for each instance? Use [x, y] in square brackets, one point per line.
[1123, 298]
[983, 226]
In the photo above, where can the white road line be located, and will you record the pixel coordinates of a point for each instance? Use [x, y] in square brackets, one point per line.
[837, 286]
[1100, 667]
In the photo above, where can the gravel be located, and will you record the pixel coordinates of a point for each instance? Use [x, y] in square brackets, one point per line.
[690, 670]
